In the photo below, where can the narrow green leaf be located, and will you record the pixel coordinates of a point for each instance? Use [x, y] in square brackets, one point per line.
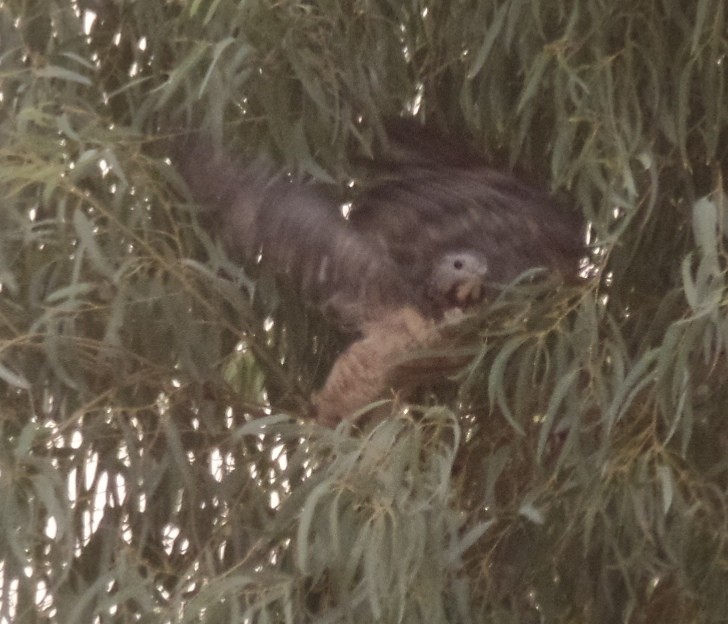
[87, 63]
[219, 48]
[64, 125]
[376, 568]
[86, 233]
[701, 13]
[261, 426]
[639, 376]
[86, 161]
[71, 292]
[309, 81]
[211, 11]
[456, 551]
[13, 378]
[303, 532]
[61, 73]
[534, 79]
[705, 225]
[496, 380]
[48, 490]
[194, 6]
[181, 71]
[494, 29]
[683, 110]
[557, 397]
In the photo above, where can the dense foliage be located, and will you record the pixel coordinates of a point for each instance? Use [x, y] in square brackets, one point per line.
[566, 458]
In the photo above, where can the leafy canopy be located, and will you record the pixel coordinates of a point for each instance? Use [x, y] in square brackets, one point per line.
[568, 464]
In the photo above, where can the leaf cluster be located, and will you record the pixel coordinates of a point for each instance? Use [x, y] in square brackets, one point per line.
[562, 454]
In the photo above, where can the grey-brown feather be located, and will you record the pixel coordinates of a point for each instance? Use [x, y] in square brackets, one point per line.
[424, 213]
[297, 230]
[398, 245]
[436, 233]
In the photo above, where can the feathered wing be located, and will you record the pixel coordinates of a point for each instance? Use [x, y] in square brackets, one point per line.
[296, 230]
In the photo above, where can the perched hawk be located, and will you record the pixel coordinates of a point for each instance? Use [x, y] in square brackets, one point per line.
[439, 232]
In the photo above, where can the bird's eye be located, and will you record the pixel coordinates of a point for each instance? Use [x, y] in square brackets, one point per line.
[458, 264]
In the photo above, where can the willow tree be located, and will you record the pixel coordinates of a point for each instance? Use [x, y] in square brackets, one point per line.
[156, 461]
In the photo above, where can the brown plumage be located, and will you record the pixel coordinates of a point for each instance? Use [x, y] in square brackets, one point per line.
[441, 231]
